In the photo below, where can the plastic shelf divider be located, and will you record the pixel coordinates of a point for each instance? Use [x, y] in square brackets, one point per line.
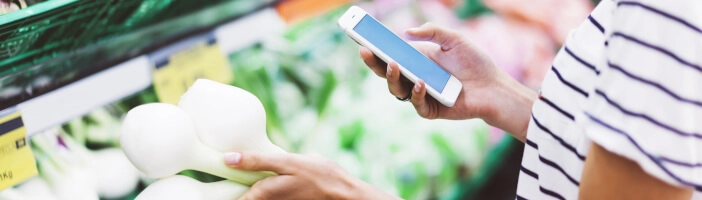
[80, 97]
[242, 33]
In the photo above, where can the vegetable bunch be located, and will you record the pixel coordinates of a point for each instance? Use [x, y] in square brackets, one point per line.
[162, 140]
[7, 6]
[70, 171]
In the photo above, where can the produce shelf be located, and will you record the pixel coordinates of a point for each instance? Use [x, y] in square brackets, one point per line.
[52, 28]
[67, 81]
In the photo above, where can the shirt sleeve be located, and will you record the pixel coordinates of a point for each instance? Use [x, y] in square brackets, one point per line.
[647, 101]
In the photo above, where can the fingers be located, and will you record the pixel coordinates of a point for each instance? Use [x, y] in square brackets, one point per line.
[276, 187]
[257, 161]
[374, 63]
[396, 83]
[419, 101]
[445, 38]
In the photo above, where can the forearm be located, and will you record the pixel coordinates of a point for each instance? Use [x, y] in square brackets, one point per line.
[510, 108]
[362, 190]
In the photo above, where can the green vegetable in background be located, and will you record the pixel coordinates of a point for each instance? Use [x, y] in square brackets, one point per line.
[350, 135]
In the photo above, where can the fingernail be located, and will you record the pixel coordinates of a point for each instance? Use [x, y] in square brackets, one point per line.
[417, 87]
[409, 33]
[232, 158]
[389, 71]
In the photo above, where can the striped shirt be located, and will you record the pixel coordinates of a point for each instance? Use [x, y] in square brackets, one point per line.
[629, 78]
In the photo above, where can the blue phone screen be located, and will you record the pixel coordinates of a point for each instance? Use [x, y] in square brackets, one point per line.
[403, 53]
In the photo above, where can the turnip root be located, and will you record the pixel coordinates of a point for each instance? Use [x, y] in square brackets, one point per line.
[160, 140]
[227, 118]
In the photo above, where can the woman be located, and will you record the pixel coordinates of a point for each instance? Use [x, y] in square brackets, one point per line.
[619, 115]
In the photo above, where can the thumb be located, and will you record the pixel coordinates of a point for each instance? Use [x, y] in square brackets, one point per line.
[444, 37]
[257, 161]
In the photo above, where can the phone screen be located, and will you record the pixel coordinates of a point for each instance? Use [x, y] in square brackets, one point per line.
[402, 53]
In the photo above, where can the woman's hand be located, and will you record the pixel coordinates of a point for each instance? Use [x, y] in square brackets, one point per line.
[301, 177]
[488, 92]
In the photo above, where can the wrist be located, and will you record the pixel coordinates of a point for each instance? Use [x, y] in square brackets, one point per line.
[510, 106]
[361, 190]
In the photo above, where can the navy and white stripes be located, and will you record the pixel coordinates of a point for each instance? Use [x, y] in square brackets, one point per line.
[629, 79]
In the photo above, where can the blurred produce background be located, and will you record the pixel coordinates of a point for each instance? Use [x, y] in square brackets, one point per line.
[319, 97]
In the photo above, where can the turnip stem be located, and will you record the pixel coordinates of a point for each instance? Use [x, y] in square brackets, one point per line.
[211, 161]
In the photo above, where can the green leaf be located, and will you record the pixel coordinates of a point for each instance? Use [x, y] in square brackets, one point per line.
[443, 145]
[350, 135]
[291, 76]
[325, 92]
[259, 83]
[452, 162]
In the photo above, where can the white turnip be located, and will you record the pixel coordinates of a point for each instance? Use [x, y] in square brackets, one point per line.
[183, 187]
[227, 118]
[160, 140]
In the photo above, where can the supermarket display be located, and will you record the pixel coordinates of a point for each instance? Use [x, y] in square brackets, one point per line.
[299, 82]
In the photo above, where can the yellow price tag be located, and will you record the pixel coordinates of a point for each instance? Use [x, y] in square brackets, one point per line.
[16, 158]
[200, 61]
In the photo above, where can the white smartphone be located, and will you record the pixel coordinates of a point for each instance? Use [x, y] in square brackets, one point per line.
[414, 65]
